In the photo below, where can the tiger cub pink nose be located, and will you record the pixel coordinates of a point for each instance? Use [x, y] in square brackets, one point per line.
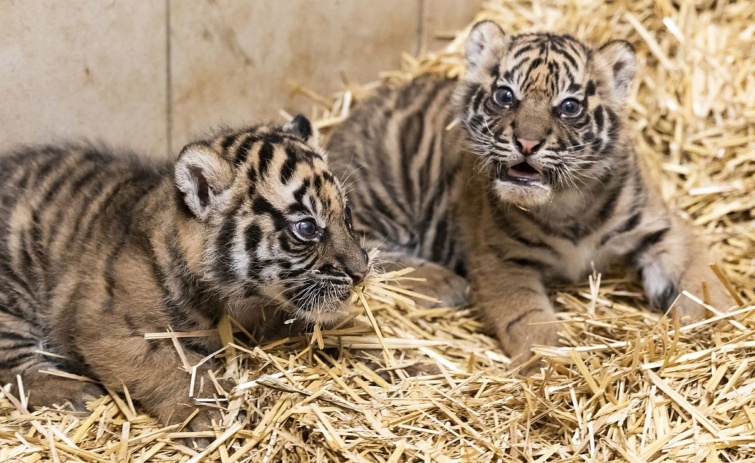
[528, 146]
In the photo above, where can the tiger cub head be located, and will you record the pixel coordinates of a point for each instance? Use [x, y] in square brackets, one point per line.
[544, 111]
[272, 220]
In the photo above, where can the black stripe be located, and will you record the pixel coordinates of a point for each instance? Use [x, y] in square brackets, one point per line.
[524, 49]
[106, 201]
[253, 236]
[519, 318]
[227, 142]
[309, 155]
[477, 98]
[62, 210]
[612, 197]
[328, 177]
[441, 240]
[515, 68]
[265, 155]
[243, 150]
[569, 75]
[20, 291]
[628, 225]
[646, 242]
[6, 335]
[224, 247]
[495, 71]
[9, 363]
[133, 328]
[409, 139]
[615, 124]
[530, 263]
[88, 202]
[531, 243]
[109, 275]
[598, 116]
[571, 60]
[261, 206]
[288, 169]
[17, 345]
[590, 91]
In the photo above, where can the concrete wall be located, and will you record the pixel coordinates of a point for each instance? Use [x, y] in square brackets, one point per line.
[152, 74]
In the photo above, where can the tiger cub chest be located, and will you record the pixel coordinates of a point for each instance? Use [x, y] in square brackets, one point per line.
[563, 255]
[573, 261]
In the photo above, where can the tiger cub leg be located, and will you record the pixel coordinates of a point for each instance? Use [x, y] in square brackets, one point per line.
[434, 280]
[674, 260]
[515, 305]
[159, 384]
[19, 343]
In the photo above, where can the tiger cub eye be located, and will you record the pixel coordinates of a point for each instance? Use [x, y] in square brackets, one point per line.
[570, 107]
[306, 228]
[503, 96]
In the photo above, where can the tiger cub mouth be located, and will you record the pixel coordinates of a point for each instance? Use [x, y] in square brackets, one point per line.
[323, 295]
[520, 174]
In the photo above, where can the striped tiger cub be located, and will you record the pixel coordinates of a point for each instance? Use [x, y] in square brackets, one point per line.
[535, 181]
[97, 249]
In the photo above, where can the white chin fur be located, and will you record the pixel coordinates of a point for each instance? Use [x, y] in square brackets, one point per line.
[523, 195]
[325, 317]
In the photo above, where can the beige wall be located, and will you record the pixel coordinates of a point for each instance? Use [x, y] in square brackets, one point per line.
[153, 74]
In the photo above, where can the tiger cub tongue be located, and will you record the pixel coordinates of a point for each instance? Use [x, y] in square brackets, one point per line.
[524, 171]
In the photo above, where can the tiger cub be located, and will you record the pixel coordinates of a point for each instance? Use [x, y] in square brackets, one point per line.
[98, 249]
[520, 175]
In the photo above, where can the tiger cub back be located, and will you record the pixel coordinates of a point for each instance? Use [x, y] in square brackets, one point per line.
[528, 159]
[97, 249]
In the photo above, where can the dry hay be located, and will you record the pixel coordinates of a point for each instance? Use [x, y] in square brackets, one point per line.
[629, 386]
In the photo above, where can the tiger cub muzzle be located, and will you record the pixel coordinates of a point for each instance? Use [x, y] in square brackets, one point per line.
[321, 295]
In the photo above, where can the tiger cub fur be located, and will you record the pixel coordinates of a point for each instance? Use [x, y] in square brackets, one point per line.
[536, 181]
[97, 249]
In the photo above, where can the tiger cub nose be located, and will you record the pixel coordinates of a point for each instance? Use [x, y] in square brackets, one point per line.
[526, 146]
[357, 276]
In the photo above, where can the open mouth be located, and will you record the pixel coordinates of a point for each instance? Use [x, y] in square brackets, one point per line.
[521, 174]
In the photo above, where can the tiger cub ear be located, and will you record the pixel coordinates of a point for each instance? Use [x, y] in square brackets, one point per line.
[202, 176]
[302, 128]
[486, 40]
[618, 60]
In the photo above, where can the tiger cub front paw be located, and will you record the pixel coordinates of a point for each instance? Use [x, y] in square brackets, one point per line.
[55, 391]
[440, 283]
[526, 330]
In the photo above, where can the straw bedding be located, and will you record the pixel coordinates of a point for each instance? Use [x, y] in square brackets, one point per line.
[627, 385]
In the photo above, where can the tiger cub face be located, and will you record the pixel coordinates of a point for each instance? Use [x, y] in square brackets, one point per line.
[274, 220]
[543, 111]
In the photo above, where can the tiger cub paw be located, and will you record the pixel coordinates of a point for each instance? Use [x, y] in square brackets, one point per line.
[56, 391]
[204, 421]
[440, 283]
[542, 332]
